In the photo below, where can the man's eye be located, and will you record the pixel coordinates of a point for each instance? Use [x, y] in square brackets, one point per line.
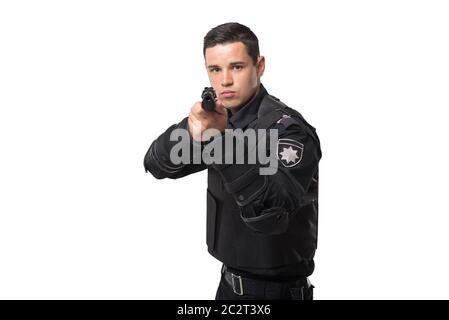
[214, 70]
[238, 67]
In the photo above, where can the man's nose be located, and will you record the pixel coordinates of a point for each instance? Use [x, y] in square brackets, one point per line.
[226, 81]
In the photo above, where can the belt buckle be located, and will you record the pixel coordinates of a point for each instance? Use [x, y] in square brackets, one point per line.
[233, 276]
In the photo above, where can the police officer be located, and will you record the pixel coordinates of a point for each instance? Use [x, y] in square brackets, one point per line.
[263, 228]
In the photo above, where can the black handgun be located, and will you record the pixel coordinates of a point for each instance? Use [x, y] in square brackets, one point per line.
[208, 97]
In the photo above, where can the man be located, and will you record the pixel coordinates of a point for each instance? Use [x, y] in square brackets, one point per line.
[262, 227]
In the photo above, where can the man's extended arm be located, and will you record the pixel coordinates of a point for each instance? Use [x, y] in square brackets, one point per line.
[157, 159]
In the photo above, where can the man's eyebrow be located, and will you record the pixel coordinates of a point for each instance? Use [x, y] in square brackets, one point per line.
[213, 66]
[236, 63]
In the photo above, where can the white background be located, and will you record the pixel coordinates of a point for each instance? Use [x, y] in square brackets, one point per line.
[86, 86]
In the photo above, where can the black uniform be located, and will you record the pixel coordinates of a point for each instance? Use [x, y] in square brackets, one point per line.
[262, 227]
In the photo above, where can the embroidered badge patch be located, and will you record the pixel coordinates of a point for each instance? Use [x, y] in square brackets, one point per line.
[290, 152]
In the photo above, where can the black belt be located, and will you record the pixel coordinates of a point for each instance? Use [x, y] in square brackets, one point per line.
[243, 285]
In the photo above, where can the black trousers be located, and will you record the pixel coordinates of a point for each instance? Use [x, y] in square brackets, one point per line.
[233, 287]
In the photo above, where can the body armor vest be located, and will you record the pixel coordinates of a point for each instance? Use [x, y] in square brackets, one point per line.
[232, 241]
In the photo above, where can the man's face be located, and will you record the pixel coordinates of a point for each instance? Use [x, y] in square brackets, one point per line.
[232, 73]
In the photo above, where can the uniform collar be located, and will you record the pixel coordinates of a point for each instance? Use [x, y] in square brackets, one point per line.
[246, 114]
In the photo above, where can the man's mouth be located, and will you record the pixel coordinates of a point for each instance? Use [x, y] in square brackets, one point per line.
[228, 94]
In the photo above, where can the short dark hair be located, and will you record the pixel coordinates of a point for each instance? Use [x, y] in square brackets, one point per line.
[233, 32]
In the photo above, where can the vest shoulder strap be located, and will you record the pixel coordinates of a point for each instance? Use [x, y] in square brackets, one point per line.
[269, 112]
[271, 109]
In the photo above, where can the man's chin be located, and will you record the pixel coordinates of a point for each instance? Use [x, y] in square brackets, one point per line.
[230, 103]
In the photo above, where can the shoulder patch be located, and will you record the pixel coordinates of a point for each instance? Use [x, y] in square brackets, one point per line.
[289, 152]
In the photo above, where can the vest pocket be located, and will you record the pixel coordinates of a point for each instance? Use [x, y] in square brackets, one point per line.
[211, 220]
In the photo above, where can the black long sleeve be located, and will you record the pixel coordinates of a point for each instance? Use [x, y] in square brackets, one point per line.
[157, 159]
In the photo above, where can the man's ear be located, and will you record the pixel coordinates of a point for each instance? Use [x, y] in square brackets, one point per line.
[260, 66]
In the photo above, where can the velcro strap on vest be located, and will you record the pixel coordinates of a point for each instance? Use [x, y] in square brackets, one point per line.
[242, 181]
[271, 221]
[247, 195]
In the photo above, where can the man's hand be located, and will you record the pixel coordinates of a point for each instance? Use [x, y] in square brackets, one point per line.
[200, 120]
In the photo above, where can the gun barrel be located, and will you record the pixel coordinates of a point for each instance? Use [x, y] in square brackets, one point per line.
[208, 97]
